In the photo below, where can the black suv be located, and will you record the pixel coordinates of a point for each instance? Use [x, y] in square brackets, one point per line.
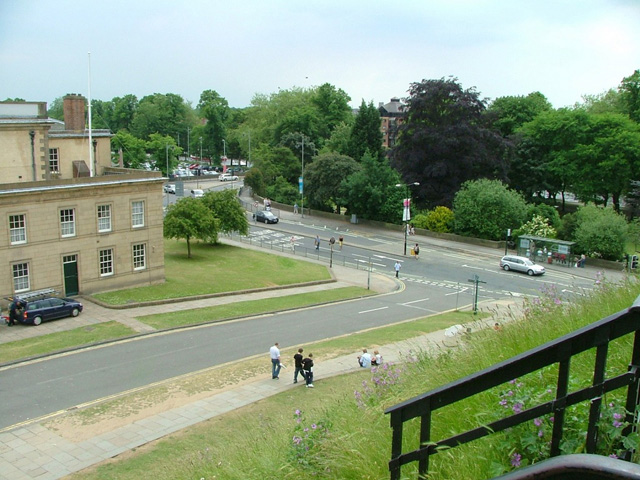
[43, 309]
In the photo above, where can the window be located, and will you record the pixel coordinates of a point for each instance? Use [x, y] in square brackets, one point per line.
[67, 222]
[18, 228]
[21, 277]
[104, 218]
[106, 262]
[54, 160]
[137, 214]
[139, 256]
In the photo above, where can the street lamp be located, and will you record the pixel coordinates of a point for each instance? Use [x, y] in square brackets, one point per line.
[166, 152]
[406, 212]
[302, 181]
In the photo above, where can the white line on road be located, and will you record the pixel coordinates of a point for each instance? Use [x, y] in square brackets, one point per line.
[373, 310]
[415, 301]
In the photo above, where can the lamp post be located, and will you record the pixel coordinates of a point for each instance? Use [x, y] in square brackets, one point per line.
[406, 212]
[302, 181]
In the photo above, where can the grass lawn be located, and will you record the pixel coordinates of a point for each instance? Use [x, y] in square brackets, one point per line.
[217, 269]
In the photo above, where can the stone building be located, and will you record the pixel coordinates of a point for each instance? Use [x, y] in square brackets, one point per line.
[69, 220]
[392, 115]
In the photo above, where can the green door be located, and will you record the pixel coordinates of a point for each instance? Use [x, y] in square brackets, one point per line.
[70, 268]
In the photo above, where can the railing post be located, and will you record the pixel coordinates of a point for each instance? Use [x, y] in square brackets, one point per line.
[425, 438]
[562, 389]
[396, 444]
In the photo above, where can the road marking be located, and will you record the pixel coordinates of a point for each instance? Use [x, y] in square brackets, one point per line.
[374, 310]
[415, 301]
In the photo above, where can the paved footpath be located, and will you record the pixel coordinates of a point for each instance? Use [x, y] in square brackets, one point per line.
[32, 451]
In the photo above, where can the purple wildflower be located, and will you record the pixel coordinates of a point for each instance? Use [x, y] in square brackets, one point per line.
[517, 407]
[515, 460]
[537, 422]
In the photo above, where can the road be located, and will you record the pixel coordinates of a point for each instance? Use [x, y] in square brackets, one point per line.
[439, 281]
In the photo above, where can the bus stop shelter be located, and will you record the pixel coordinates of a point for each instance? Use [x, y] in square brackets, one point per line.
[546, 250]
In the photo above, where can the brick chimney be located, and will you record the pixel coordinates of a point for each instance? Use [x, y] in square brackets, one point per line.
[73, 107]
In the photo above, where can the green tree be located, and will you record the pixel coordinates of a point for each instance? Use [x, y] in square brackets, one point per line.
[283, 191]
[601, 232]
[255, 180]
[333, 108]
[56, 109]
[159, 113]
[189, 218]
[487, 209]
[134, 150]
[365, 133]
[157, 147]
[323, 179]
[215, 109]
[606, 102]
[124, 111]
[538, 226]
[339, 140]
[371, 192]
[228, 212]
[445, 142]
[630, 91]
[510, 113]
[440, 219]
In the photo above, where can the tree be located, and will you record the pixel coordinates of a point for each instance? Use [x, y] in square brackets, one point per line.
[365, 133]
[333, 108]
[601, 232]
[630, 91]
[159, 113]
[215, 109]
[510, 113]
[606, 102]
[124, 111]
[487, 209]
[134, 150]
[323, 179]
[189, 218]
[157, 147]
[56, 109]
[444, 141]
[227, 210]
[339, 140]
[371, 192]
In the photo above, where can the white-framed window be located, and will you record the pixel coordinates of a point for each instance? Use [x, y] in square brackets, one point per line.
[137, 214]
[54, 160]
[18, 228]
[106, 262]
[20, 273]
[104, 218]
[139, 256]
[68, 222]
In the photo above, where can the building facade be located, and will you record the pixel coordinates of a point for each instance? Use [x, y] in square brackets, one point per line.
[392, 115]
[69, 221]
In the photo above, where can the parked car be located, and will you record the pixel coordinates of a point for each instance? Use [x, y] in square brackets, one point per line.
[265, 216]
[48, 308]
[170, 188]
[226, 177]
[521, 264]
[197, 193]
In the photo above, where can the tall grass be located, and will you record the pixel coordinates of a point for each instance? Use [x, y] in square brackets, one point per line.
[259, 441]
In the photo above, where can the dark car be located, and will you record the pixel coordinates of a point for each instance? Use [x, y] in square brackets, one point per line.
[48, 308]
[265, 216]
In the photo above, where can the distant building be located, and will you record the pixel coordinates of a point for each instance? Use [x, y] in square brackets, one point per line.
[71, 224]
[392, 115]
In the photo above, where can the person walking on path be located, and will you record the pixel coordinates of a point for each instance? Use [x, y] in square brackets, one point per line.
[274, 352]
[396, 267]
[295, 208]
[307, 365]
[317, 242]
[297, 359]
[416, 251]
[341, 241]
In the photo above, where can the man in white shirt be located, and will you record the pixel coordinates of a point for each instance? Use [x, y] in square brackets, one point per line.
[274, 352]
[364, 360]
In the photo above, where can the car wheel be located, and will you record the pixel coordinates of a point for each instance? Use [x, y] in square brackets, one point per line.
[506, 268]
[37, 320]
[75, 312]
[530, 272]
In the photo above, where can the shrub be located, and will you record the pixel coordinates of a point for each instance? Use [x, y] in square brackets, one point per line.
[538, 226]
[487, 208]
[439, 220]
[601, 232]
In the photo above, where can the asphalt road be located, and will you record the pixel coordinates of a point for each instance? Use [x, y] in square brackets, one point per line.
[439, 281]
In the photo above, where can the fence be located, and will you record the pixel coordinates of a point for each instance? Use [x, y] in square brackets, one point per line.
[596, 336]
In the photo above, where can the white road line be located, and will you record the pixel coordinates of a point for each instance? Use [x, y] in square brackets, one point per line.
[415, 301]
[374, 310]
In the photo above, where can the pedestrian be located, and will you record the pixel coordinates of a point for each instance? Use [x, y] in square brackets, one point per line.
[397, 267]
[341, 241]
[364, 360]
[416, 251]
[377, 358]
[317, 242]
[292, 242]
[274, 352]
[295, 208]
[297, 360]
[307, 365]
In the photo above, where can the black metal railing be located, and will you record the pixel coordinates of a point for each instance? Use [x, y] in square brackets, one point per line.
[558, 352]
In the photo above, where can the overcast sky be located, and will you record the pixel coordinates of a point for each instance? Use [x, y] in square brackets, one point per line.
[371, 49]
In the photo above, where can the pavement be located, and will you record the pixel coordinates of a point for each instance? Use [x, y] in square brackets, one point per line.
[33, 451]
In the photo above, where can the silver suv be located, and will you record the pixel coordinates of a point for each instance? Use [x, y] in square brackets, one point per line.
[521, 264]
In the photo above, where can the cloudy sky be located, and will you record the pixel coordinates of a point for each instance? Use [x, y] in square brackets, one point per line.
[371, 49]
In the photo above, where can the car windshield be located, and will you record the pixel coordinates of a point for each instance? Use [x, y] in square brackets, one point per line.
[528, 262]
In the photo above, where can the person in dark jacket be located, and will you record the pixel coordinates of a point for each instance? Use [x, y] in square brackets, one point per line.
[307, 365]
[297, 359]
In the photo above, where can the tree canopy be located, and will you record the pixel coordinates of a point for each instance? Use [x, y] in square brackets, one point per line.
[189, 218]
